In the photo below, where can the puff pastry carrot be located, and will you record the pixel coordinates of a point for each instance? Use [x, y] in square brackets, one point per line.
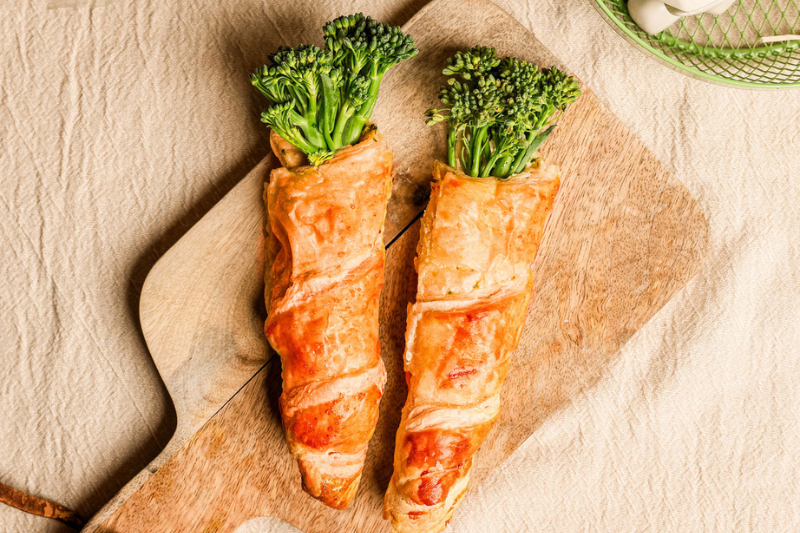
[478, 238]
[326, 241]
[326, 209]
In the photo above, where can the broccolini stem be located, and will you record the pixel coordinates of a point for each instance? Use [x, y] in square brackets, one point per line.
[532, 148]
[503, 167]
[452, 142]
[312, 134]
[345, 113]
[353, 130]
[294, 137]
[357, 122]
[521, 156]
[329, 140]
[375, 79]
[490, 164]
[478, 138]
[312, 130]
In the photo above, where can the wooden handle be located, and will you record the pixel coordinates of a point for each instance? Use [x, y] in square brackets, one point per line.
[40, 507]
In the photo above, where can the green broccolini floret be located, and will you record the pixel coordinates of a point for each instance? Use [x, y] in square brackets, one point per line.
[323, 97]
[367, 48]
[499, 111]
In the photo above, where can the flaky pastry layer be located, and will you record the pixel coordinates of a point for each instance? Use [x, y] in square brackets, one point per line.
[322, 293]
[478, 239]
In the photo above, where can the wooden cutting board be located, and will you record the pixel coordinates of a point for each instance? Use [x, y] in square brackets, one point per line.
[623, 238]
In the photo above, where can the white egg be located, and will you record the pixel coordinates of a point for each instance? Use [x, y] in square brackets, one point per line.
[654, 16]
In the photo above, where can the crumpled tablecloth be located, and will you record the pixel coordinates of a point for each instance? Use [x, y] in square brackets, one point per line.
[122, 122]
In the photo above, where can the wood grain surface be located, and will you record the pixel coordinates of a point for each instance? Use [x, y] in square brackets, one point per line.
[623, 238]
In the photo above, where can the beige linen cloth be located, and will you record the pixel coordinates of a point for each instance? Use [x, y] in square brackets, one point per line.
[122, 122]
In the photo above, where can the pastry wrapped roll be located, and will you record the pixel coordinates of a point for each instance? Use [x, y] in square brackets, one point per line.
[478, 239]
[322, 293]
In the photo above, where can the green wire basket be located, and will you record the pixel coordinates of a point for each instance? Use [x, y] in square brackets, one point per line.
[727, 48]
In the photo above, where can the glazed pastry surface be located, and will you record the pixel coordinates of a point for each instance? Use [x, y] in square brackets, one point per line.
[322, 293]
[478, 239]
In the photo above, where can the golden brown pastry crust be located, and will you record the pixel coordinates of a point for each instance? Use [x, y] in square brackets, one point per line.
[326, 241]
[477, 241]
